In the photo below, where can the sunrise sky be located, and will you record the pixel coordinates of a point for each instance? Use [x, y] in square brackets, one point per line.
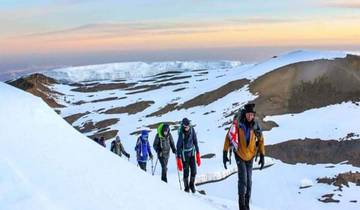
[37, 33]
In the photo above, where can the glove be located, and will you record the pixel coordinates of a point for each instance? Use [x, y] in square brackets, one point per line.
[198, 159]
[261, 161]
[225, 159]
[151, 156]
[127, 155]
[179, 164]
[174, 151]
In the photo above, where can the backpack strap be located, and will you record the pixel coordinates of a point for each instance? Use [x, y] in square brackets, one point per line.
[193, 146]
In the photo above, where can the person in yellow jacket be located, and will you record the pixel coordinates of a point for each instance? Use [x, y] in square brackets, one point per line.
[246, 140]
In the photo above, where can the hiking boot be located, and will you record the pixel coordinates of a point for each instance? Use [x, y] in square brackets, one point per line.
[186, 185]
[192, 184]
[242, 205]
[247, 202]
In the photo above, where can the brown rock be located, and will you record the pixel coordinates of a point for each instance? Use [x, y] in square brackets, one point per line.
[131, 108]
[38, 85]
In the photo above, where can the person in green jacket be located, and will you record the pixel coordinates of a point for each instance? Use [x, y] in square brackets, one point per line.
[162, 144]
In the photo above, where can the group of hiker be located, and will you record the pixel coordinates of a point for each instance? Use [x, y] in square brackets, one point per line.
[186, 151]
[244, 139]
[100, 141]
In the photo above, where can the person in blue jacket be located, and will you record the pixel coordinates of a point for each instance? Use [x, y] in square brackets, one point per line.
[188, 154]
[143, 150]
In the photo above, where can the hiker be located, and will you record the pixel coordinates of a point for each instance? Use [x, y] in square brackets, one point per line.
[118, 148]
[188, 154]
[143, 150]
[162, 144]
[247, 140]
[96, 139]
[102, 141]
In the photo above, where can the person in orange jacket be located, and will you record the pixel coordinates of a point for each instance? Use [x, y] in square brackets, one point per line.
[247, 140]
[188, 154]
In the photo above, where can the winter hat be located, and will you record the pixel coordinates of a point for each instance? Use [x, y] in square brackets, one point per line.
[166, 127]
[185, 122]
[144, 134]
[117, 138]
[250, 108]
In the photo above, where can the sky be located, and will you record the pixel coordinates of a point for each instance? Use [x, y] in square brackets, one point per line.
[42, 34]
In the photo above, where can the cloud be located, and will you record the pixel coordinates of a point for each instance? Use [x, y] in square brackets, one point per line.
[346, 4]
[263, 20]
[108, 30]
[116, 29]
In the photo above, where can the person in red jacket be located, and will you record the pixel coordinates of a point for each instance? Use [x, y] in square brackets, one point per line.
[188, 154]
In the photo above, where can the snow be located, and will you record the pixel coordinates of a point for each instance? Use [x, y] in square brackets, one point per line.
[276, 187]
[326, 123]
[208, 127]
[304, 183]
[256, 70]
[232, 169]
[46, 164]
[126, 70]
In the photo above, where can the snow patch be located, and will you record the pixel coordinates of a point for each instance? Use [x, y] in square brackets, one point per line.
[305, 183]
[323, 123]
[126, 70]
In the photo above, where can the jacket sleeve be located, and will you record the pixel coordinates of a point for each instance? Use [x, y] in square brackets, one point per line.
[172, 145]
[260, 139]
[112, 147]
[227, 142]
[156, 144]
[137, 145]
[261, 145]
[122, 149]
[149, 148]
[195, 141]
[179, 145]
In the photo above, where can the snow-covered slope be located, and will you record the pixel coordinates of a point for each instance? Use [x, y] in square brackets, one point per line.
[126, 70]
[114, 71]
[209, 98]
[46, 164]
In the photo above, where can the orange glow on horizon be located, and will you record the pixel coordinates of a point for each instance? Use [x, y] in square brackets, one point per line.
[315, 33]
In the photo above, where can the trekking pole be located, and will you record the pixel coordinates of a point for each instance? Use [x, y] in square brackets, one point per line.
[153, 172]
[178, 176]
[152, 166]
[230, 153]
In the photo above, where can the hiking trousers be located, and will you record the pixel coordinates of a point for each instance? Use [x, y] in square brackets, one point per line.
[164, 162]
[189, 165]
[244, 182]
[142, 165]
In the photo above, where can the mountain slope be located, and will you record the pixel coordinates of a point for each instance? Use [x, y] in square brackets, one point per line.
[322, 85]
[46, 164]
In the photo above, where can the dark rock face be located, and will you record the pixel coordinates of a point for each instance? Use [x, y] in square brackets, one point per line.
[314, 151]
[38, 85]
[341, 180]
[131, 108]
[306, 85]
